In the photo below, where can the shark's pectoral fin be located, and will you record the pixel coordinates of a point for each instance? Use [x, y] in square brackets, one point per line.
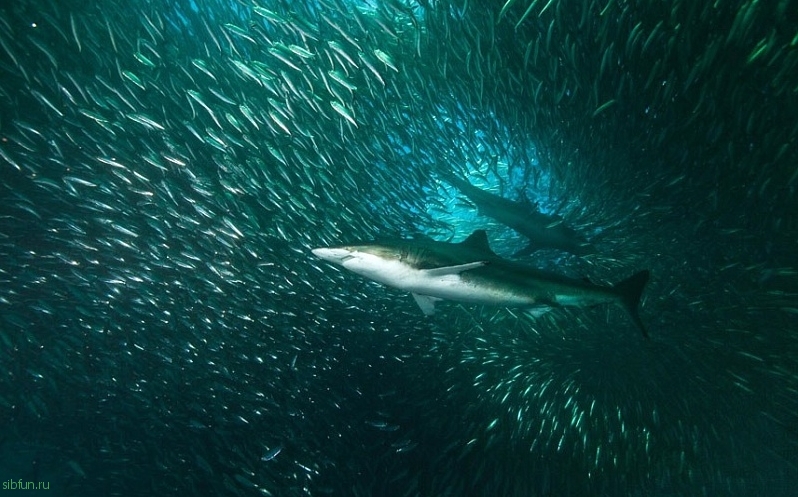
[631, 290]
[446, 270]
[426, 303]
[537, 311]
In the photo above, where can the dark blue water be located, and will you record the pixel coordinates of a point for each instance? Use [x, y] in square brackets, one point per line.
[165, 169]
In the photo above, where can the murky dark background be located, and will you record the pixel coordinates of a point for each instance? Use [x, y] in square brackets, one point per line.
[165, 169]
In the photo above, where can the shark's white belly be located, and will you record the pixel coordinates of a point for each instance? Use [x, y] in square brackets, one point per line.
[453, 287]
[448, 287]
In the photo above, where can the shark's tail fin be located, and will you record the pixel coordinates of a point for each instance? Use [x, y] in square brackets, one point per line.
[630, 290]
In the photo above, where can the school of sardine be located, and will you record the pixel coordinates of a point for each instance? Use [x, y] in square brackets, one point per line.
[166, 167]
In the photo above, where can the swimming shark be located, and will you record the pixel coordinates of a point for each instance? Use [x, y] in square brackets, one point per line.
[542, 230]
[470, 272]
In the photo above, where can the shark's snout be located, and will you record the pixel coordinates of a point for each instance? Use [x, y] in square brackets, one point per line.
[334, 255]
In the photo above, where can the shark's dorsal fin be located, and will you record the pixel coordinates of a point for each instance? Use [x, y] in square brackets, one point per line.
[478, 240]
[446, 270]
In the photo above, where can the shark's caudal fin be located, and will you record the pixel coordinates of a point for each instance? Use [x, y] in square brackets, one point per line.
[630, 290]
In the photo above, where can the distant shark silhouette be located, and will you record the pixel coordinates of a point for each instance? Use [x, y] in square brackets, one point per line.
[471, 272]
[542, 230]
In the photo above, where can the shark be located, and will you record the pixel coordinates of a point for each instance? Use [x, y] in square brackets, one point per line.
[470, 272]
[542, 230]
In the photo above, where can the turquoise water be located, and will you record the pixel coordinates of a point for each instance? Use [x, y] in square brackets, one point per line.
[165, 169]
